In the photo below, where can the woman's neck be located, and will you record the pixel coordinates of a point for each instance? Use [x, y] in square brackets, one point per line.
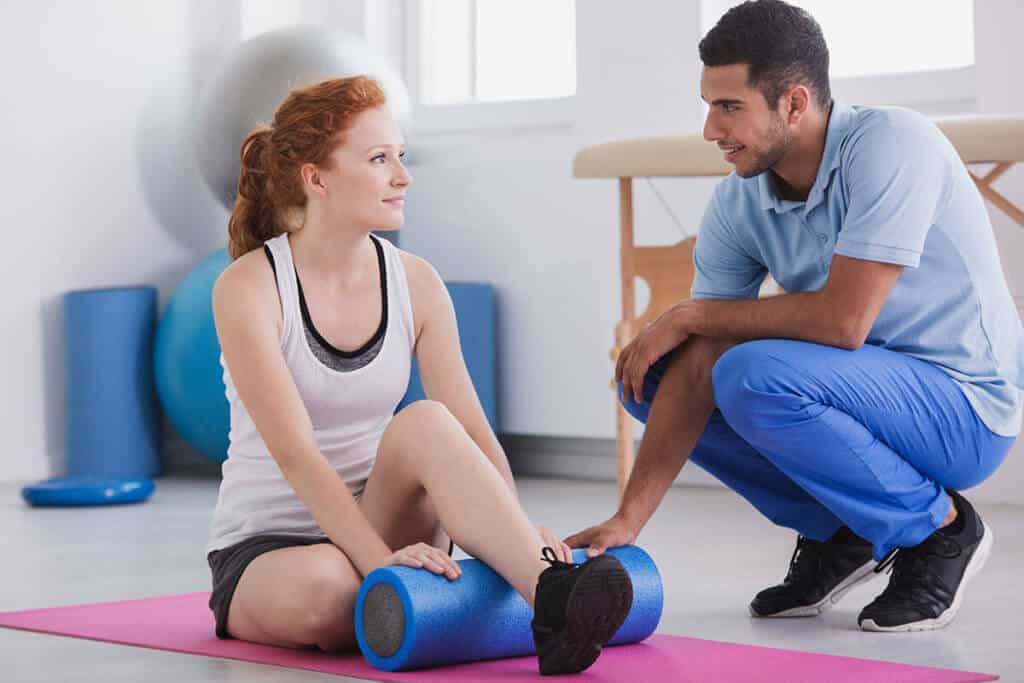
[337, 253]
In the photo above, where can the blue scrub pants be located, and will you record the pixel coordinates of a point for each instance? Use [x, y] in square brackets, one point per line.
[815, 437]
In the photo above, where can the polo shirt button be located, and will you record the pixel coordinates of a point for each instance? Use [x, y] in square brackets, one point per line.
[823, 237]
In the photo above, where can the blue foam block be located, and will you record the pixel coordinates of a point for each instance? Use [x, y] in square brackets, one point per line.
[476, 313]
[479, 616]
[78, 491]
[113, 419]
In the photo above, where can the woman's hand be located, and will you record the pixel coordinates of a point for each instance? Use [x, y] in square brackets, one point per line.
[426, 556]
[562, 551]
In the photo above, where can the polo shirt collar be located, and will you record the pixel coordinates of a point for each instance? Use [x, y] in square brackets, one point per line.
[838, 125]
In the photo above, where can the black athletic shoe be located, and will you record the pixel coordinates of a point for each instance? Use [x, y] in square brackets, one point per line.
[927, 583]
[577, 609]
[820, 573]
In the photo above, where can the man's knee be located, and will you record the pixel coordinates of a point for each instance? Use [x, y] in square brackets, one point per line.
[703, 354]
[639, 411]
[743, 372]
[683, 368]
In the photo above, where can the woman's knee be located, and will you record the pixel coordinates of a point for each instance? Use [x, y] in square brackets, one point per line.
[420, 418]
[417, 427]
[328, 595]
[301, 599]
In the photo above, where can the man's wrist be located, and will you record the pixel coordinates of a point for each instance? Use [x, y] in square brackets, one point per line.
[685, 318]
[632, 524]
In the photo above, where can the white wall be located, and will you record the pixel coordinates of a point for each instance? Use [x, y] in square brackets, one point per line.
[97, 185]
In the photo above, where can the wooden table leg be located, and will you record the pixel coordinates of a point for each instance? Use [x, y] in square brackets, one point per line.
[623, 446]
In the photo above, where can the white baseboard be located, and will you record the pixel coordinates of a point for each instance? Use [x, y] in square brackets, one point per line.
[578, 458]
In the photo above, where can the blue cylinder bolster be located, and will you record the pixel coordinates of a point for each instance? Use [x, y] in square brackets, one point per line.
[113, 425]
[476, 617]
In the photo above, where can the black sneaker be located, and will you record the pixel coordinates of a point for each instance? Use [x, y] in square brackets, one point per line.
[927, 583]
[820, 573]
[577, 609]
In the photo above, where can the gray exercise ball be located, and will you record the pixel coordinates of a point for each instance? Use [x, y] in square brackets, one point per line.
[257, 75]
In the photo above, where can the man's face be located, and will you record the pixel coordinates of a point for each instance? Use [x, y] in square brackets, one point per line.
[753, 135]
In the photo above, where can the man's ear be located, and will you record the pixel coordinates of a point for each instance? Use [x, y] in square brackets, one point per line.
[796, 101]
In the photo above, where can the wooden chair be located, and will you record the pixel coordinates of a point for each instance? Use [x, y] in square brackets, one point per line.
[668, 270]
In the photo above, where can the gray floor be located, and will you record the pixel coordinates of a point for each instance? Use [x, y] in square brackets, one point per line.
[714, 553]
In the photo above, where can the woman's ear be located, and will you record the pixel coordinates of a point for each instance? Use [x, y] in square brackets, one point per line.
[311, 179]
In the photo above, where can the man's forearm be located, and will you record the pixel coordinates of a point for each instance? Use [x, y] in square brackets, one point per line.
[806, 316]
[653, 473]
[678, 416]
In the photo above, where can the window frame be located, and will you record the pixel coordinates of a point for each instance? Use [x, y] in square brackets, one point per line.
[472, 116]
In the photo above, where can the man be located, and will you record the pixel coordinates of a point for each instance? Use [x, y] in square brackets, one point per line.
[887, 378]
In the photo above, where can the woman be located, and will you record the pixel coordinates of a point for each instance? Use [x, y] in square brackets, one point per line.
[318, 321]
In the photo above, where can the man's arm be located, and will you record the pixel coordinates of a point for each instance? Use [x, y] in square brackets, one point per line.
[840, 314]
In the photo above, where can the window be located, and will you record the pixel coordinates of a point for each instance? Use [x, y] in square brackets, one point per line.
[860, 44]
[911, 52]
[489, 58]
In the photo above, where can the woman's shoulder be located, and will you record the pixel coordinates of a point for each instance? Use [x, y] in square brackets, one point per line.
[419, 272]
[248, 282]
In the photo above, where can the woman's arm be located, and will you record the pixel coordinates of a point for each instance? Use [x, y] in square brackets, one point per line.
[442, 367]
[248, 319]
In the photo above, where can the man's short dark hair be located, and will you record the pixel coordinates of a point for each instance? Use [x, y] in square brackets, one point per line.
[783, 46]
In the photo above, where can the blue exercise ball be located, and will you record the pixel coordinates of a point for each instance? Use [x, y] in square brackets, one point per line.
[186, 362]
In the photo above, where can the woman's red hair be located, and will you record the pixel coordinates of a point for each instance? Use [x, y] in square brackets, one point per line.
[306, 129]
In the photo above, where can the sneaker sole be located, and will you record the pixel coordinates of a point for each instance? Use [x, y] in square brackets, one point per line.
[597, 606]
[978, 561]
[862, 574]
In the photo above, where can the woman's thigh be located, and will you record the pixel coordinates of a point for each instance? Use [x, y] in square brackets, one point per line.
[301, 596]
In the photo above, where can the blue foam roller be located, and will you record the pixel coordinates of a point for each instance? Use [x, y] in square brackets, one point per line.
[78, 491]
[113, 425]
[410, 618]
[476, 313]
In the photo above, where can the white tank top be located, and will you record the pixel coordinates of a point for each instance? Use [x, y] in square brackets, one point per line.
[349, 410]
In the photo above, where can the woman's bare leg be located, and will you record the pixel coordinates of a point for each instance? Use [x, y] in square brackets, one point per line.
[428, 463]
[302, 596]
[429, 478]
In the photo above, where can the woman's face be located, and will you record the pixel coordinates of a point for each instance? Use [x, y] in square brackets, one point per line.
[365, 180]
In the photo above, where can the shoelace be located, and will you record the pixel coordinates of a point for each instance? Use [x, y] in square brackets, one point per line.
[805, 562]
[909, 566]
[549, 556]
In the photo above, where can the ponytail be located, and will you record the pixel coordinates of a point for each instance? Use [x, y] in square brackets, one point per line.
[252, 218]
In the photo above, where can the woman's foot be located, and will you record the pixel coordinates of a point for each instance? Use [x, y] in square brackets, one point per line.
[577, 609]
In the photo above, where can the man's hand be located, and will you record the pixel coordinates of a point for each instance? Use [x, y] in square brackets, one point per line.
[597, 539]
[654, 341]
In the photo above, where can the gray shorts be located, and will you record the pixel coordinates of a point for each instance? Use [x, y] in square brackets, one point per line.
[228, 564]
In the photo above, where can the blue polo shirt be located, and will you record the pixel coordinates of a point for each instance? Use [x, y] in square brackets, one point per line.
[890, 188]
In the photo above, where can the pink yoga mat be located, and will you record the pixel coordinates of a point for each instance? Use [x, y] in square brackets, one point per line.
[183, 623]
